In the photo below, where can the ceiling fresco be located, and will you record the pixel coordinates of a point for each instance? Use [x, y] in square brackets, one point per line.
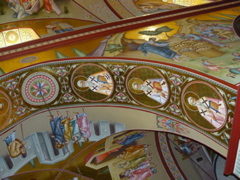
[43, 89]
[160, 88]
[201, 43]
[97, 11]
[48, 18]
[122, 155]
[153, 102]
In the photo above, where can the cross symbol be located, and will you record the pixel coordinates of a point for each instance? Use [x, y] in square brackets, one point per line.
[203, 112]
[94, 87]
[149, 83]
[149, 92]
[93, 79]
[205, 102]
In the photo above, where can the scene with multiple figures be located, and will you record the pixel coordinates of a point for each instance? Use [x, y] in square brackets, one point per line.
[119, 89]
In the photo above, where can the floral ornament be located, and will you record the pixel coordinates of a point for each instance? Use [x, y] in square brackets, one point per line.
[168, 157]
[68, 97]
[117, 69]
[172, 166]
[177, 176]
[40, 88]
[61, 71]
[121, 97]
[164, 147]
[176, 79]
[11, 84]
[175, 109]
[21, 110]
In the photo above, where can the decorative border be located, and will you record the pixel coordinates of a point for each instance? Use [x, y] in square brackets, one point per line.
[212, 80]
[104, 30]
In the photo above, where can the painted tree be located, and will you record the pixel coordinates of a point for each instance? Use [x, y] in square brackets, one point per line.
[163, 29]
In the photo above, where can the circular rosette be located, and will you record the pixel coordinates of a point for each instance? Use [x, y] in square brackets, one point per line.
[204, 105]
[147, 86]
[40, 88]
[5, 109]
[92, 83]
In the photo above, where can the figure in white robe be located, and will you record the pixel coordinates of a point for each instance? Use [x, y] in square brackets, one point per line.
[211, 109]
[156, 89]
[100, 82]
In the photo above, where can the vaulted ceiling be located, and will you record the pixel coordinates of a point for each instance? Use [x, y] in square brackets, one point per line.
[152, 85]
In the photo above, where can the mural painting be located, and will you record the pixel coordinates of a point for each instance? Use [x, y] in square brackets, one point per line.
[200, 108]
[156, 6]
[62, 136]
[65, 129]
[5, 108]
[171, 125]
[203, 106]
[137, 163]
[192, 100]
[186, 147]
[129, 157]
[147, 86]
[179, 97]
[14, 10]
[202, 43]
[89, 80]
[15, 146]
[40, 88]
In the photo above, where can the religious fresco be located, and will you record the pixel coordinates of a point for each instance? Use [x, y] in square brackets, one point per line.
[89, 79]
[195, 42]
[189, 150]
[171, 92]
[200, 108]
[159, 84]
[50, 26]
[6, 108]
[144, 80]
[52, 145]
[171, 125]
[188, 2]
[14, 10]
[101, 159]
[186, 147]
[127, 154]
[156, 6]
[16, 36]
[150, 7]
[23, 31]
[201, 43]
[60, 15]
[134, 160]
[15, 146]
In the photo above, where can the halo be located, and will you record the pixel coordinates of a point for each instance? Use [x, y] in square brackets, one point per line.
[75, 81]
[186, 96]
[12, 37]
[5, 107]
[133, 80]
